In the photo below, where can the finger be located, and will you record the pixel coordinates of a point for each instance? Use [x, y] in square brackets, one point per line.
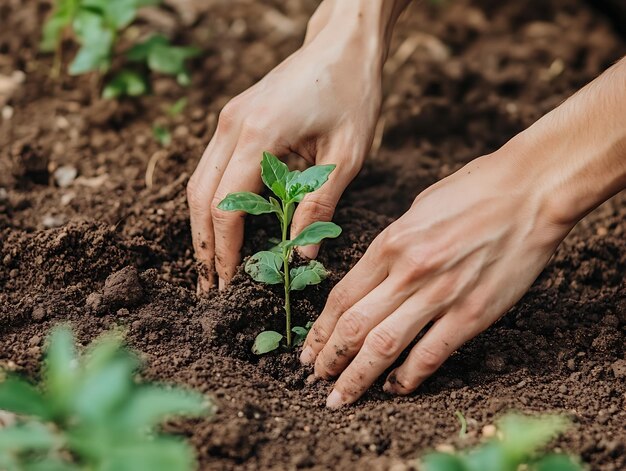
[382, 346]
[200, 191]
[242, 174]
[442, 340]
[366, 275]
[354, 325]
[320, 205]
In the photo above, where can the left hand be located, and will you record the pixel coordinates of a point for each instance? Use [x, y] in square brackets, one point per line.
[467, 250]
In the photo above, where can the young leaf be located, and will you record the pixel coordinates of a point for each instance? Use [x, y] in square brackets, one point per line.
[306, 275]
[61, 373]
[170, 60]
[308, 181]
[151, 405]
[141, 51]
[125, 83]
[30, 436]
[62, 17]
[265, 267]
[19, 397]
[249, 202]
[96, 41]
[274, 174]
[314, 233]
[557, 462]
[178, 107]
[266, 342]
[162, 135]
[443, 462]
[301, 333]
[162, 454]
[524, 434]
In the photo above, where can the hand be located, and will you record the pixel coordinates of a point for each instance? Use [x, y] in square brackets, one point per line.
[321, 103]
[470, 246]
[465, 252]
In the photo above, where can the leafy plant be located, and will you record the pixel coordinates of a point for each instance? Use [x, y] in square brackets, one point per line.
[517, 447]
[89, 414]
[97, 25]
[272, 266]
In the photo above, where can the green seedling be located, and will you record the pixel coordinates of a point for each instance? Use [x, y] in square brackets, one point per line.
[272, 266]
[89, 414]
[517, 446]
[97, 25]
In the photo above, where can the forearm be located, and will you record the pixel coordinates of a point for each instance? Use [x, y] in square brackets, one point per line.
[370, 20]
[575, 156]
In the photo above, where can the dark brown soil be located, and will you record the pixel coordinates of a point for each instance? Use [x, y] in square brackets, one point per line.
[108, 251]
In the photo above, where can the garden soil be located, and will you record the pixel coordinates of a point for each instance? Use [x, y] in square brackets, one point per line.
[112, 247]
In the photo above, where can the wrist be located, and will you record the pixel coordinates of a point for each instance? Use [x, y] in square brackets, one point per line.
[574, 158]
[367, 24]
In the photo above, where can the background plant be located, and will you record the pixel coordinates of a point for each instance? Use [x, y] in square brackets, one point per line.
[89, 414]
[97, 25]
[516, 447]
[272, 266]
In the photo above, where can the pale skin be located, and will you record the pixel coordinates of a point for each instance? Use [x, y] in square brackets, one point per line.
[469, 247]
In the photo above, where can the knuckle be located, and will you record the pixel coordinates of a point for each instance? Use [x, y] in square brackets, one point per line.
[228, 116]
[318, 207]
[383, 343]
[421, 261]
[219, 216]
[253, 131]
[352, 327]
[337, 299]
[429, 359]
[195, 197]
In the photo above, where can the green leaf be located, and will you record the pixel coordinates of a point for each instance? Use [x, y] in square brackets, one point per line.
[126, 83]
[141, 51]
[489, 457]
[301, 333]
[50, 464]
[308, 181]
[61, 373]
[314, 233]
[61, 18]
[306, 275]
[20, 397]
[151, 405]
[170, 59]
[266, 342]
[97, 43]
[183, 78]
[31, 436]
[178, 107]
[162, 454]
[265, 267]
[557, 462]
[245, 201]
[442, 462]
[523, 435]
[274, 174]
[162, 135]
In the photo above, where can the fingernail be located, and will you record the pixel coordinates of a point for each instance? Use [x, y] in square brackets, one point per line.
[334, 400]
[221, 284]
[309, 251]
[387, 387]
[307, 356]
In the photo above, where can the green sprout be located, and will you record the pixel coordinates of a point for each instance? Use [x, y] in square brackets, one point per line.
[516, 447]
[89, 414]
[272, 266]
[97, 25]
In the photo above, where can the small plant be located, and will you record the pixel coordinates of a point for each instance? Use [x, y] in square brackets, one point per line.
[272, 266]
[89, 414]
[97, 26]
[516, 447]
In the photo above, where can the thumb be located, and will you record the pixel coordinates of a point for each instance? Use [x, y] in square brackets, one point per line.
[319, 206]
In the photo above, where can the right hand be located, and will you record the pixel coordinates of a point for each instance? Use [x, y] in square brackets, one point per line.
[321, 103]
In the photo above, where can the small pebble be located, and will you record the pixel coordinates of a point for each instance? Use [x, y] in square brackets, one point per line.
[65, 175]
[38, 314]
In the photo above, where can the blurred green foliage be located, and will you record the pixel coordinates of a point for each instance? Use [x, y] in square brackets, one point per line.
[88, 413]
[517, 447]
[96, 25]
